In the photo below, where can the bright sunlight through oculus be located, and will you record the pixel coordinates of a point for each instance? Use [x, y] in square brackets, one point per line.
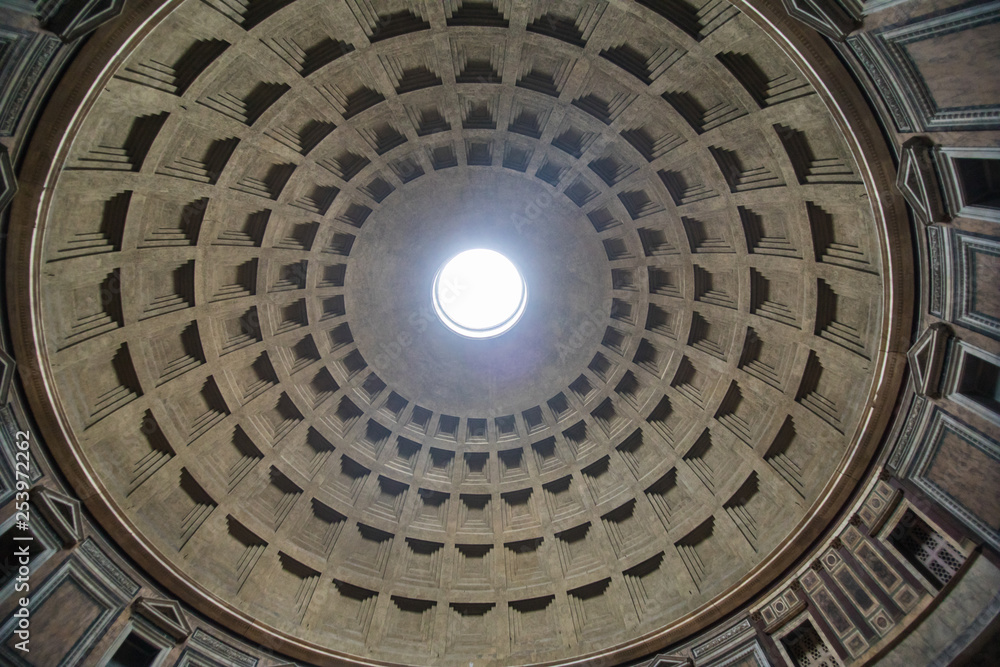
[479, 294]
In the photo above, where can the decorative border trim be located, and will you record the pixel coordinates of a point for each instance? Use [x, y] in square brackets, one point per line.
[752, 651]
[723, 638]
[903, 450]
[904, 90]
[16, 42]
[864, 48]
[940, 422]
[966, 246]
[210, 647]
[938, 256]
[27, 67]
[101, 563]
[75, 569]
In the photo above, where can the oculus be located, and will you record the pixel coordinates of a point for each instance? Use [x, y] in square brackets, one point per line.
[479, 293]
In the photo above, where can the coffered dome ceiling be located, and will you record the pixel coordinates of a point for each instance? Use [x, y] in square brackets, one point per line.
[231, 312]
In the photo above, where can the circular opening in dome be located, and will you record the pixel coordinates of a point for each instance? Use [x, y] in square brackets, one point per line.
[479, 293]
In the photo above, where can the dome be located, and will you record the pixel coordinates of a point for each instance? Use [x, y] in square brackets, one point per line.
[253, 374]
